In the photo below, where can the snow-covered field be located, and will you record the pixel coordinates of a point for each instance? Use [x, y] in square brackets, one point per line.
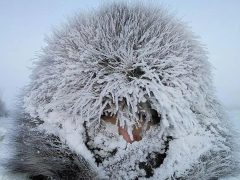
[234, 115]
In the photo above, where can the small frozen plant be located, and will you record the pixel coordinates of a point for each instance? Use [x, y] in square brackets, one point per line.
[124, 92]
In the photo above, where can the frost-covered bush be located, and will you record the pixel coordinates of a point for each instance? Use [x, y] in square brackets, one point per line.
[136, 64]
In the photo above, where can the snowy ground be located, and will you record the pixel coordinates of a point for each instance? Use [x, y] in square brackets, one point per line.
[233, 114]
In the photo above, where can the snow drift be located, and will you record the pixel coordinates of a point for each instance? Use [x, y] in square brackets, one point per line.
[137, 64]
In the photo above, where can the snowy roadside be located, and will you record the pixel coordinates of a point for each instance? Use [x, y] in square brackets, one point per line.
[5, 125]
[234, 115]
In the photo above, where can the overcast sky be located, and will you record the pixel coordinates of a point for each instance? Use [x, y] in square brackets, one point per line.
[24, 24]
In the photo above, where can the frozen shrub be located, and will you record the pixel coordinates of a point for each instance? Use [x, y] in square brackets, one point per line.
[136, 65]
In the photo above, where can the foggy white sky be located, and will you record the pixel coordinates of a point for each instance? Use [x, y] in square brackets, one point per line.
[23, 25]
